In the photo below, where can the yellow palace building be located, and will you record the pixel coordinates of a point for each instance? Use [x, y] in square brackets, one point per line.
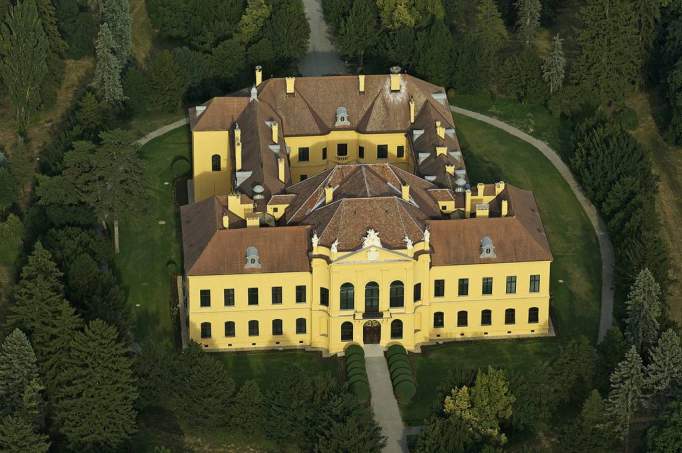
[335, 210]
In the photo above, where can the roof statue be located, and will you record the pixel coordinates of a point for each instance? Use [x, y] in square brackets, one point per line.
[315, 240]
[254, 93]
[427, 235]
[335, 246]
[371, 240]
[408, 242]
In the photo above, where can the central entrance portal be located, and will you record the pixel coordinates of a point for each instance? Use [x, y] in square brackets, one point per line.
[371, 332]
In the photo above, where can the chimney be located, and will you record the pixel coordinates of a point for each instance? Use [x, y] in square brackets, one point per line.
[406, 192]
[226, 222]
[280, 169]
[505, 208]
[395, 78]
[440, 129]
[290, 84]
[467, 203]
[237, 147]
[253, 220]
[411, 110]
[481, 189]
[450, 169]
[259, 75]
[275, 131]
[328, 194]
[441, 150]
[361, 83]
[499, 187]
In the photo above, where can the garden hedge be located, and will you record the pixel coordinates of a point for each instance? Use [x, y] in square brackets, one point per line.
[395, 349]
[356, 372]
[361, 391]
[401, 373]
[354, 365]
[405, 391]
[354, 349]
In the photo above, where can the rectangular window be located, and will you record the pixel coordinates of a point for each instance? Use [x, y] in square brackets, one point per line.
[463, 287]
[510, 316]
[487, 285]
[229, 329]
[342, 149]
[361, 152]
[417, 293]
[462, 319]
[400, 151]
[300, 294]
[324, 297]
[486, 317]
[382, 151]
[300, 325]
[277, 327]
[205, 330]
[303, 177]
[276, 295]
[438, 319]
[535, 283]
[324, 153]
[253, 296]
[439, 288]
[511, 284]
[303, 154]
[205, 298]
[253, 328]
[228, 296]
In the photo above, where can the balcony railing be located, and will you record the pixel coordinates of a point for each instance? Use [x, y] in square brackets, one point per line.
[373, 315]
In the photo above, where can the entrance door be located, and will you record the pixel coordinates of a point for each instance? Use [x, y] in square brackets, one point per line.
[371, 332]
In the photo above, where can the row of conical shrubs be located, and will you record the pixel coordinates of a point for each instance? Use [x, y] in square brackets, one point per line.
[356, 373]
[402, 377]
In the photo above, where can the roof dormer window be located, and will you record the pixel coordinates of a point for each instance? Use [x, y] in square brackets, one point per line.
[342, 117]
[487, 248]
[252, 258]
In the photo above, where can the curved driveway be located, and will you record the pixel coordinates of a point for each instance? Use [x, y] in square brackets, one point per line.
[605, 245]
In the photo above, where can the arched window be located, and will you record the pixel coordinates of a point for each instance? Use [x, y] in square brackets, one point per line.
[347, 296]
[438, 319]
[397, 294]
[229, 328]
[205, 330]
[277, 327]
[510, 316]
[486, 317]
[462, 319]
[396, 329]
[347, 331]
[253, 328]
[215, 162]
[300, 325]
[533, 315]
[372, 297]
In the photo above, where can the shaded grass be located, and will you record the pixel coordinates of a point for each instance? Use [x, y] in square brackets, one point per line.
[150, 251]
[492, 155]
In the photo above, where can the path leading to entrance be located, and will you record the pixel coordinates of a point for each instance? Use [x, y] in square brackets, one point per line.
[384, 404]
[322, 58]
[605, 245]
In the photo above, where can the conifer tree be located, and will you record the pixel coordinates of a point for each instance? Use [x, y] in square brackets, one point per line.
[108, 68]
[528, 22]
[56, 47]
[609, 61]
[643, 311]
[359, 30]
[23, 68]
[96, 380]
[664, 371]
[116, 14]
[18, 436]
[554, 66]
[489, 35]
[435, 60]
[248, 408]
[625, 396]
[586, 434]
[18, 369]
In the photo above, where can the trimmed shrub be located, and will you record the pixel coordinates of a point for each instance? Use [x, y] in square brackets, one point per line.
[395, 349]
[356, 372]
[355, 359]
[398, 364]
[405, 391]
[358, 379]
[361, 391]
[398, 358]
[354, 349]
[401, 367]
[354, 365]
[402, 377]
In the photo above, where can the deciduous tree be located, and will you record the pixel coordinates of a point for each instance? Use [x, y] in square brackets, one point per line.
[359, 31]
[253, 19]
[666, 435]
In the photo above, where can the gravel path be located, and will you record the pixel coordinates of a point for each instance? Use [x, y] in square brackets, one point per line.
[605, 245]
[322, 58]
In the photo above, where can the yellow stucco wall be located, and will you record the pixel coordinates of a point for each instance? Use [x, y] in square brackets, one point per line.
[323, 323]
[206, 181]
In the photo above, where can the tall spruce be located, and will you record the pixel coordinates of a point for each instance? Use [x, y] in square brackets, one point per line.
[664, 371]
[528, 20]
[55, 54]
[97, 381]
[435, 61]
[648, 13]
[18, 436]
[108, 67]
[23, 67]
[554, 66]
[41, 311]
[643, 311]
[609, 60]
[490, 35]
[116, 14]
[359, 31]
[625, 396]
[18, 369]
[586, 433]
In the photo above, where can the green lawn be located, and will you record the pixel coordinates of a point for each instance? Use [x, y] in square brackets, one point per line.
[492, 155]
[150, 250]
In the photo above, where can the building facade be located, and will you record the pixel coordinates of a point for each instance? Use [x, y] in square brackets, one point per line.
[336, 210]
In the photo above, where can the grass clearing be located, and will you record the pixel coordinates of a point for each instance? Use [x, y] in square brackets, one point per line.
[492, 155]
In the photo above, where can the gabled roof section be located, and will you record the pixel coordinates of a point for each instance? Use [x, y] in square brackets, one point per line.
[218, 114]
